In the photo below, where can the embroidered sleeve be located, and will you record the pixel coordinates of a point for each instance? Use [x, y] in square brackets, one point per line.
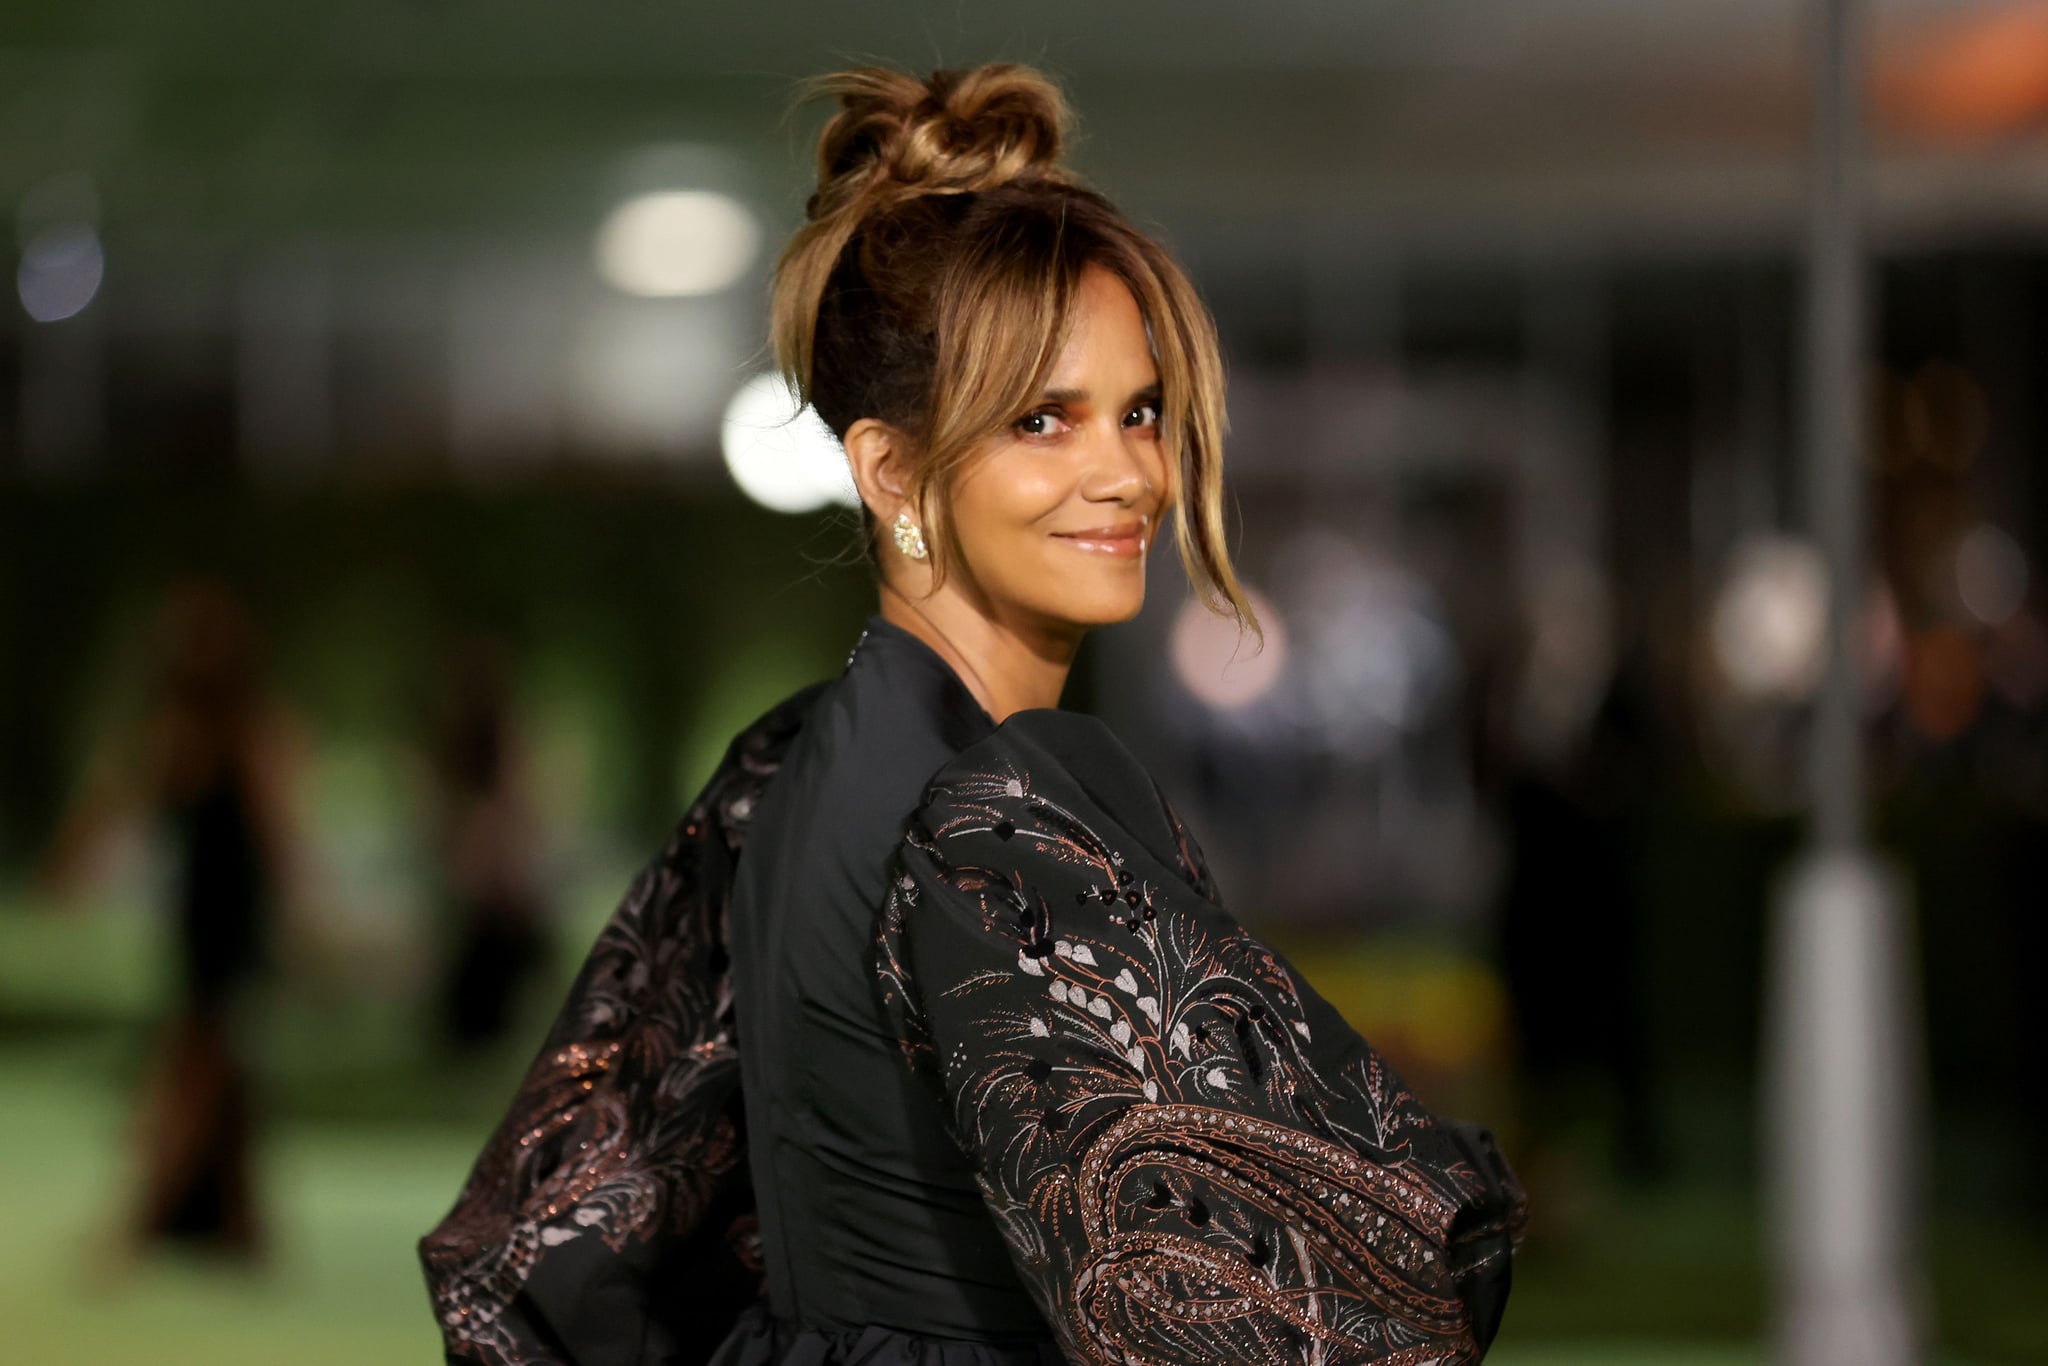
[609, 1217]
[1191, 1155]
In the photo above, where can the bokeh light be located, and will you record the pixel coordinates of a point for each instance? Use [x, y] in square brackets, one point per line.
[1769, 623]
[60, 273]
[675, 243]
[1944, 682]
[1991, 574]
[1218, 664]
[1571, 654]
[1979, 73]
[783, 456]
[1883, 634]
[2016, 661]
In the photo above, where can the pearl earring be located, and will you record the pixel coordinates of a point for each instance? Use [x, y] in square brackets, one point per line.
[909, 539]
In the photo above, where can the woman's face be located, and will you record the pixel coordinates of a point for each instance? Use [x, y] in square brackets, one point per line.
[1056, 516]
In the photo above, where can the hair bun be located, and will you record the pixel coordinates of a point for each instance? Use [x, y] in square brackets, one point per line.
[954, 133]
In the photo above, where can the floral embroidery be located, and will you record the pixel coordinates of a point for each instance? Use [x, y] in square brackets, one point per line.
[626, 1127]
[1190, 1157]
[1188, 1162]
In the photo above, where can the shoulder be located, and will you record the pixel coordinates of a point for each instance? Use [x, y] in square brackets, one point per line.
[1047, 767]
[752, 759]
[868, 748]
[855, 754]
[1063, 746]
[771, 732]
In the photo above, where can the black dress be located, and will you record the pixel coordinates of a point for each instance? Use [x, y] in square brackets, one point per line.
[222, 887]
[197, 1183]
[872, 1228]
[962, 1064]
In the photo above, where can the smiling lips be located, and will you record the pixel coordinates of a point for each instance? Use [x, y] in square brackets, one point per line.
[1125, 540]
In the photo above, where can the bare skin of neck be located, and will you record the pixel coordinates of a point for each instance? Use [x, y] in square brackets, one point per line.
[1009, 667]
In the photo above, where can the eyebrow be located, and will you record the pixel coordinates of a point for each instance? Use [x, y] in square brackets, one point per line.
[1151, 390]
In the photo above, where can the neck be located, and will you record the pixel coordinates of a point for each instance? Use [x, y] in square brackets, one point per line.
[1009, 667]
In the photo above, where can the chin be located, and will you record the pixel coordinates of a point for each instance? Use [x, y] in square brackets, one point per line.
[1098, 606]
[1082, 597]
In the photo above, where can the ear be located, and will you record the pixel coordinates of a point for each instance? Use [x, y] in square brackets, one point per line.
[877, 452]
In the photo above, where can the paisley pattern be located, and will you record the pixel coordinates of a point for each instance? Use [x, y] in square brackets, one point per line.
[623, 1143]
[1191, 1155]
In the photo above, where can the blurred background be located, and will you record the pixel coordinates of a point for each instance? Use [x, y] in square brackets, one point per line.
[394, 525]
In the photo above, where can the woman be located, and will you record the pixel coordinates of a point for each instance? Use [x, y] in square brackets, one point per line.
[964, 1061]
[489, 856]
[213, 765]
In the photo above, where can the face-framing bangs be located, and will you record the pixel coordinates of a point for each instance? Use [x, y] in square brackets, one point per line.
[1003, 309]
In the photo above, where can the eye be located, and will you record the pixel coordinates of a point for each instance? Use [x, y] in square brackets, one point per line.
[1044, 422]
[1146, 414]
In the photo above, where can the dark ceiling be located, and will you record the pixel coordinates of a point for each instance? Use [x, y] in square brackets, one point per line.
[435, 117]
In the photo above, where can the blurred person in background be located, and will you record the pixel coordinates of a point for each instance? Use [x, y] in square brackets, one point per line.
[929, 1036]
[489, 852]
[1572, 940]
[211, 766]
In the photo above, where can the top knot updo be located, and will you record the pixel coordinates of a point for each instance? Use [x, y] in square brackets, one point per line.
[932, 282]
[896, 140]
[958, 132]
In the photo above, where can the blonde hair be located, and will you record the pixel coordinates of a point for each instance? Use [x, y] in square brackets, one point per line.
[932, 286]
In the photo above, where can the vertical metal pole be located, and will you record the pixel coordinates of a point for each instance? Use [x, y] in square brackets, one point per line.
[1836, 357]
[1843, 1064]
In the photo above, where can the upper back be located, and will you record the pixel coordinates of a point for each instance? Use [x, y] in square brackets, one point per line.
[869, 1211]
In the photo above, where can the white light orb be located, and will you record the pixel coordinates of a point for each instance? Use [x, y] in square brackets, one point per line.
[1769, 626]
[1991, 574]
[673, 243]
[61, 269]
[782, 456]
[1216, 665]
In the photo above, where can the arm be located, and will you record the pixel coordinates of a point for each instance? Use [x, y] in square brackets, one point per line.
[609, 1184]
[1191, 1155]
[609, 1221]
[118, 788]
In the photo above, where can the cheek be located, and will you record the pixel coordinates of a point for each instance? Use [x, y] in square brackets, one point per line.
[1008, 500]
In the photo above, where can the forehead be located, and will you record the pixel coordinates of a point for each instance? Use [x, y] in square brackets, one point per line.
[1106, 332]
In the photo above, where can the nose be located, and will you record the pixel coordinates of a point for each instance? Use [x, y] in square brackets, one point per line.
[1121, 469]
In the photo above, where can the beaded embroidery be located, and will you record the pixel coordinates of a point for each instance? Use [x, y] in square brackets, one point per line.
[1185, 1167]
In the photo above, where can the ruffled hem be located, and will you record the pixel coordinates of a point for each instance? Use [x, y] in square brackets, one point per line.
[760, 1339]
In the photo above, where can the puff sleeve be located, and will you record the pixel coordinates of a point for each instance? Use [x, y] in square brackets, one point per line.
[1190, 1154]
[609, 1220]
